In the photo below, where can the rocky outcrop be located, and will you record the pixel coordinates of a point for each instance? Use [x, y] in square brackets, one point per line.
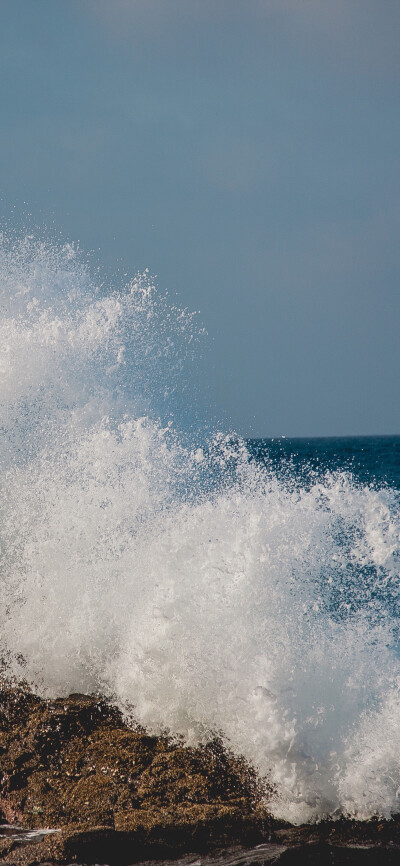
[115, 794]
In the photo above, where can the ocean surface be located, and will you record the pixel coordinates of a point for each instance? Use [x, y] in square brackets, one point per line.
[370, 460]
[204, 582]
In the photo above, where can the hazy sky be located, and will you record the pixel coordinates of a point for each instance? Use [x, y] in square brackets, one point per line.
[246, 152]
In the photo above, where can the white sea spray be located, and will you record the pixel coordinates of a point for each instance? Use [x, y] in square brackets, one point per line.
[172, 572]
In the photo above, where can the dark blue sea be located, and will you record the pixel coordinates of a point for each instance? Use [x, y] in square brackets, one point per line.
[370, 460]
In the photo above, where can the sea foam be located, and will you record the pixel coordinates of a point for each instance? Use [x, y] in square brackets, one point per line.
[166, 569]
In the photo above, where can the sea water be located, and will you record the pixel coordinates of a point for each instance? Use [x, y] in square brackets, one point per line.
[205, 583]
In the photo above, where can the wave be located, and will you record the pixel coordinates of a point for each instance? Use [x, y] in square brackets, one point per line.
[167, 569]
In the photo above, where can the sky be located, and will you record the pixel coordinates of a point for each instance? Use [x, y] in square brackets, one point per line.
[247, 153]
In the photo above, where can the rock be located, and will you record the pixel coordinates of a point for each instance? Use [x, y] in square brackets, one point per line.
[74, 763]
[119, 795]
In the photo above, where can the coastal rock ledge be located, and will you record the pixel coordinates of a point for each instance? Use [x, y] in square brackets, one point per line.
[116, 795]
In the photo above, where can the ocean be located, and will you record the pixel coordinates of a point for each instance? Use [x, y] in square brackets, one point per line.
[204, 582]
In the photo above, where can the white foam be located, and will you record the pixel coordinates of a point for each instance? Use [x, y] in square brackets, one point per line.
[179, 577]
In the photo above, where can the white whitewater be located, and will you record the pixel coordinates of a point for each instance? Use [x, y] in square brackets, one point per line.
[175, 575]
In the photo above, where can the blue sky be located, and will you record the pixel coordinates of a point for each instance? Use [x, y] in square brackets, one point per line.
[246, 152]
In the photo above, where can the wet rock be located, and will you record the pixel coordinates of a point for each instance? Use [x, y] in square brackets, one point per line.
[118, 795]
[74, 763]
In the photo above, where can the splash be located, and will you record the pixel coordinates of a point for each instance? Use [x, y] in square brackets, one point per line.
[173, 573]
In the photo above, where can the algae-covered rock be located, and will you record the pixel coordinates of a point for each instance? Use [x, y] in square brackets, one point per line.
[117, 795]
[74, 763]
